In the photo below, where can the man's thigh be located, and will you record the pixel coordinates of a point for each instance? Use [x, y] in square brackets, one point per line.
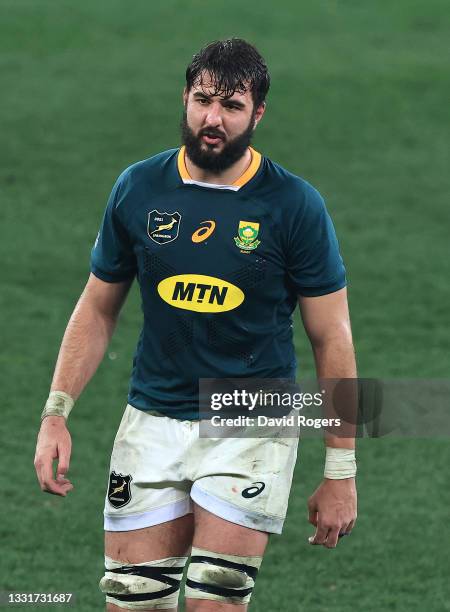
[232, 547]
[168, 540]
[217, 534]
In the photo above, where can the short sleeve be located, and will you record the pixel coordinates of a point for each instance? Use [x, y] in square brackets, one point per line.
[315, 266]
[112, 258]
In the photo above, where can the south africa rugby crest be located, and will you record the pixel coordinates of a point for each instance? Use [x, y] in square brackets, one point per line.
[119, 493]
[247, 236]
[163, 227]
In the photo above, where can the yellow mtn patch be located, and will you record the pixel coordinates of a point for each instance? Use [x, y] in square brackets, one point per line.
[200, 293]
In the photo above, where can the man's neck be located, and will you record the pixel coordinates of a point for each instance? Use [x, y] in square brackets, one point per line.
[228, 177]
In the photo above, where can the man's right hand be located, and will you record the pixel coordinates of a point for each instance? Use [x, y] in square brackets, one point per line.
[53, 442]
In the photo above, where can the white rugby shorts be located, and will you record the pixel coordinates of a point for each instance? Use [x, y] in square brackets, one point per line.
[160, 464]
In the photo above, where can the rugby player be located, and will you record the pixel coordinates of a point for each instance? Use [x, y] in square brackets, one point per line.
[224, 244]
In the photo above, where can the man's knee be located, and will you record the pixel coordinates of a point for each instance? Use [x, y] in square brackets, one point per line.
[154, 585]
[224, 580]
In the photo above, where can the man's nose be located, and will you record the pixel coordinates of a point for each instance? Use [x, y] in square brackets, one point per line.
[214, 115]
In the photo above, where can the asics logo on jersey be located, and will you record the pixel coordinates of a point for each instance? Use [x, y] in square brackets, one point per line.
[200, 293]
[203, 233]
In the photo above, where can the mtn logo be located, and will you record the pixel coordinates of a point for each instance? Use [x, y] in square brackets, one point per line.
[200, 293]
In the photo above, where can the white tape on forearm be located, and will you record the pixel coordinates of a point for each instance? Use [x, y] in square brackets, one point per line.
[58, 404]
[340, 463]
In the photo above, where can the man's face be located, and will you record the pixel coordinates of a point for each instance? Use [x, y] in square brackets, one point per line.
[216, 130]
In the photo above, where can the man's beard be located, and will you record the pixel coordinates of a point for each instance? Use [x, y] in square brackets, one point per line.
[207, 158]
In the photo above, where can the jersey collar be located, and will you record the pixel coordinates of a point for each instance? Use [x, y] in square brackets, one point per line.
[238, 183]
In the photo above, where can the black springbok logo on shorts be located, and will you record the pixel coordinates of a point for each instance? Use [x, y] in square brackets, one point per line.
[119, 493]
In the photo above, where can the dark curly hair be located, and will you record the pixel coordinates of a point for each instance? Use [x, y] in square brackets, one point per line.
[234, 65]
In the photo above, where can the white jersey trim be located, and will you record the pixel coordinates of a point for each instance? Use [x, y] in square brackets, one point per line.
[211, 185]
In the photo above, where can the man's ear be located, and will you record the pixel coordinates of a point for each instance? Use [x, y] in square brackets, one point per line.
[185, 97]
[259, 113]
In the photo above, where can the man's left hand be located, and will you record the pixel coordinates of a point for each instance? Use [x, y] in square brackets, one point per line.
[332, 510]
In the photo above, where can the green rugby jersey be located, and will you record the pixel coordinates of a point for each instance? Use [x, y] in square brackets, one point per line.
[220, 269]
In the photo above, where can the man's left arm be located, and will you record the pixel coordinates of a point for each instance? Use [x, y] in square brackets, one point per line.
[332, 507]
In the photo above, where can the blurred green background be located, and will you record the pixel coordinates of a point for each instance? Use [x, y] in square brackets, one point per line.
[358, 107]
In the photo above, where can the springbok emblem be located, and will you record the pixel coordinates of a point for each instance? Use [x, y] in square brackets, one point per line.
[119, 491]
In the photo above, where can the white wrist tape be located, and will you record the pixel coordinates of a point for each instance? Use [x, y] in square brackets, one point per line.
[58, 404]
[340, 463]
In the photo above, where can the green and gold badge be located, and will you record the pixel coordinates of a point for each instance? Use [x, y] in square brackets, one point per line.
[248, 233]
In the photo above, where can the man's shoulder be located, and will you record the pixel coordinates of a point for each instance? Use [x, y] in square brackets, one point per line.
[289, 189]
[159, 166]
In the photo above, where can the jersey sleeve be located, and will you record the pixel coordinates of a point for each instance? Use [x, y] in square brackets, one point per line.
[112, 258]
[315, 266]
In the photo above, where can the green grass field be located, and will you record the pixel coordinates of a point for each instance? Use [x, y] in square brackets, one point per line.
[359, 107]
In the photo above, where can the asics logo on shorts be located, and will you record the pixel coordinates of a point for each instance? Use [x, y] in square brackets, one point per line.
[254, 490]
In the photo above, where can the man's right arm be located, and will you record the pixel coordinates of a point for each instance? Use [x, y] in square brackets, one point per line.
[84, 344]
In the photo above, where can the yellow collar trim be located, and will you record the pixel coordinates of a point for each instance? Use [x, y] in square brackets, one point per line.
[240, 182]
